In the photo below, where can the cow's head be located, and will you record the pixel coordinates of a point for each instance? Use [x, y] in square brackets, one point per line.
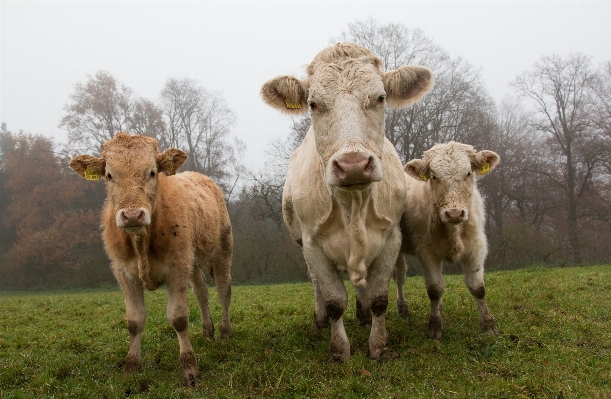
[131, 166]
[451, 170]
[346, 92]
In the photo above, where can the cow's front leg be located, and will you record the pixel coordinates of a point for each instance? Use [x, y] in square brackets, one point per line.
[135, 312]
[335, 296]
[474, 278]
[178, 315]
[435, 285]
[378, 279]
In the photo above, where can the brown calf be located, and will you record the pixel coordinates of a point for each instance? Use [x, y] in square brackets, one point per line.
[162, 228]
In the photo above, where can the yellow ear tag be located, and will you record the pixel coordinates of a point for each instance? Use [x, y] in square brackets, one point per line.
[423, 176]
[485, 168]
[170, 166]
[292, 105]
[91, 175]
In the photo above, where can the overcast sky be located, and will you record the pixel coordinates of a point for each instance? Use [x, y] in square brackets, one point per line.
[234, 47]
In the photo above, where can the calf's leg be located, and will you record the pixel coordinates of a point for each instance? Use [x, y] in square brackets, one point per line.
[474, 278]
[321, 319]
[222, 280]
[200, 289]
[435, 285]
[178, 315]
[363, 306]
[136, 317]
[399, 273]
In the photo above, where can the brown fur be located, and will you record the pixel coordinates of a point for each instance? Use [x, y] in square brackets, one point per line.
[451, 171]
[346, 224]
[189, 229]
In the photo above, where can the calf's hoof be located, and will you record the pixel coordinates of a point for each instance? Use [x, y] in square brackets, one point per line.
[489, 325]
[435, 328]
[320, 322]
[208, 331]
[403, 310]
[339, 357]
[133, 364]
[226, 331]
[383, 354]
[188, 365]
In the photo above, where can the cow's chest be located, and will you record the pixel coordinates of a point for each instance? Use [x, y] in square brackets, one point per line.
[338, 247]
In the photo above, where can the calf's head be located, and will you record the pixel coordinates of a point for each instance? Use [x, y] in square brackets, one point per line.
[346, 92]
[451, 170]
[130, 165]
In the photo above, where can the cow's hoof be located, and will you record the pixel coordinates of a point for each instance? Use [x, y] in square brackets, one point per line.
[188, 365]
[385, 354]
[226, 331]
[321, 322]
[488, 324]
[208, 332]
[339, 357]
[133, 364]
[435, 328]
[403, 310]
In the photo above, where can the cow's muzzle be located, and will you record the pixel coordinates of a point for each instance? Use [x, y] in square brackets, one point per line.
[454, 215]
[354, 168]
[132, 219]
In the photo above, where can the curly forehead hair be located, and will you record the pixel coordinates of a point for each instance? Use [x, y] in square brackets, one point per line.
[448, 149]
[123, 139]
[341, 52]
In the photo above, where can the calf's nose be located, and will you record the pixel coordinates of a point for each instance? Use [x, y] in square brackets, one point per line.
[455, 215]
[132, 217]
[353, 169]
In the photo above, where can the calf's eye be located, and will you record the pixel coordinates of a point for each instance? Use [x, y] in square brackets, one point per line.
[108, 176]
[152, 174]
[381, 99]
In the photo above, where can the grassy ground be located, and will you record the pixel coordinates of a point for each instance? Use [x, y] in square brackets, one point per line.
[555, 343]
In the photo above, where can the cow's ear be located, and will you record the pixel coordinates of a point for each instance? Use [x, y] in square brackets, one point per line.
[286, 93]
[418, 169]
[169, 161]
[484, 161]
[406, 85]
[91, 168]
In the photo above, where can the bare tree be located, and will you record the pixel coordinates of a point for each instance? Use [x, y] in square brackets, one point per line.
[558, 88]
[199, 122]
[147, 119]
[97, 110]
[456, 109]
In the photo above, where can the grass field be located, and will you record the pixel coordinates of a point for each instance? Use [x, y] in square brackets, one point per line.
[555, 342]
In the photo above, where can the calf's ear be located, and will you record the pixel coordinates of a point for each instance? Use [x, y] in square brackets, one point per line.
[169, 161]
[418, 169]
[484, 161]
[286, 93]
[406, 85]
[91, 168]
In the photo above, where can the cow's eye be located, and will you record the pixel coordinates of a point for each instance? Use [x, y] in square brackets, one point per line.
[469, 174]
[313, 106]
[108, 176]
[152, 174]
[381, 99]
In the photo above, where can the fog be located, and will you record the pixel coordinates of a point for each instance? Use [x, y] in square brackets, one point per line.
[234, 47]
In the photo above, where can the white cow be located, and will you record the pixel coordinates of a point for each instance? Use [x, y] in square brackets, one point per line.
[444, 221]
[345, 189]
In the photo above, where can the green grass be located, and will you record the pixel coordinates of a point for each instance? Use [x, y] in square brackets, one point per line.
[555, 342]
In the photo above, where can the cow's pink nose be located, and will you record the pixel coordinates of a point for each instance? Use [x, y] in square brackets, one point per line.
[353, 169]
[132, 217]
[455, 215]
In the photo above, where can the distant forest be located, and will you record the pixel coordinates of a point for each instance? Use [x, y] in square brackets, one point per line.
[549, 201]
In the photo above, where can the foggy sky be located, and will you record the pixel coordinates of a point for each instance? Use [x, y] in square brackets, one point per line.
[234, 47]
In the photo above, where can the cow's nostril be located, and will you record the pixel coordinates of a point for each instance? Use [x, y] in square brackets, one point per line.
[338, 171]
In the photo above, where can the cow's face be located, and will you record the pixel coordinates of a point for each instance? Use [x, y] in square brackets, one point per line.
[346, 93]
[130, 165]
[451, 170]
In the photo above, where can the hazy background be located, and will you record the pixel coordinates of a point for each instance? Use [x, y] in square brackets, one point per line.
[234, 47]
